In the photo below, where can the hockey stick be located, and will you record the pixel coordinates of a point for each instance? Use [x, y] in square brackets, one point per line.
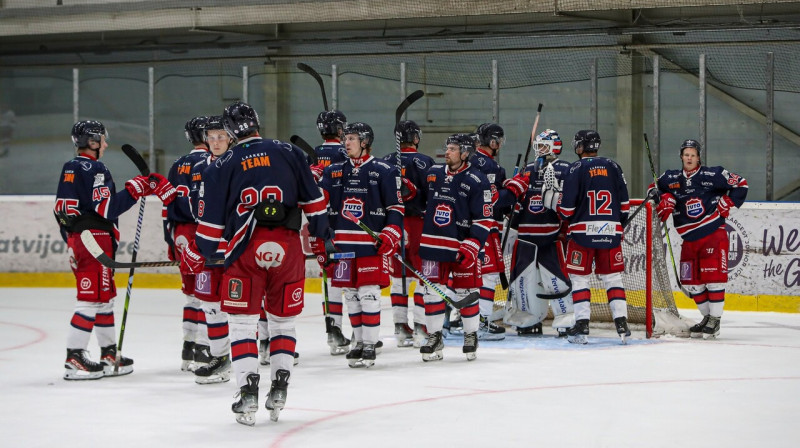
[457, 304]
[308, 149]
[398, 114]
[664, 224]
[533, 134]
[316, 76]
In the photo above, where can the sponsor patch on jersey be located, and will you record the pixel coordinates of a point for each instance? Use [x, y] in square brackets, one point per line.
[694, 208]
[354, 206]
[202, 283]
[487, 195]
[343, 271]
[491, 177]
[235, 289]
[398, 182]
[99, 179]
[535, 204]
[600, 228]
[443, 215]
[575, 258]
[686, 271]
[430, 268]
[270, 255]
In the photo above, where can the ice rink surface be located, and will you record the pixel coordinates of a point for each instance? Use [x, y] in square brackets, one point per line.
[741, 390]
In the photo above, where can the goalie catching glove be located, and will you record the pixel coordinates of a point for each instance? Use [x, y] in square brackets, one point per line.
[192, 261]
[666, 206]
[468, 253]
[389, 241]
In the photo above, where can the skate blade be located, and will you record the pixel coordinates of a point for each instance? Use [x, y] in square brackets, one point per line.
[274, 414]
[80, 375]
[213, 379]
[109, 370]
[188, 366]
[697, 335]
[246, 418]
[471, 356]
[264, 361]
[528, 335]
[491, 337]
[435, 356]
[578, 339]
[340, 350]
[403, 343]
[356, 363]
[707, 337]
[624, 339]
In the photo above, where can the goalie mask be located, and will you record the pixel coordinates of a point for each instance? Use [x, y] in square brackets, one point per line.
[88, 130]
[548, 143]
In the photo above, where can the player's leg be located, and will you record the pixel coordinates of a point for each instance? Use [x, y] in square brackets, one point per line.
[609, 265]
[370, 298]
[434, 311]
[465, 282]
[579, 268]
[402, 331]
[218, 368]
[77, 365]
[714, 273]
[690, 279]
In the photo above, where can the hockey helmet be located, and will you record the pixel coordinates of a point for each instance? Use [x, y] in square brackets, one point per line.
[240, 120]
[88, 130]
[548, 143]
[490, 131]
[408, 130]
[363, 130]
[465, 142]
[691, 144]
[214, 123]
[195, 130]
[330, 122]
[589, 139]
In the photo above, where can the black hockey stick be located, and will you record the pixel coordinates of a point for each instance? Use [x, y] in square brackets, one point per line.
[457, 304]
[398, 115]
[308, 149]
[316, 76]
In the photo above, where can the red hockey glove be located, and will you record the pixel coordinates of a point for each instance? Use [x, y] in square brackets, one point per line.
[390, 240]
[495, 195]
[408, 190]
[518, 184]
[317, 170]
[468, 253]
[724, 205]
[192, 261]
[162, 188]
[321, 248]
[138, 187]
[666, 206]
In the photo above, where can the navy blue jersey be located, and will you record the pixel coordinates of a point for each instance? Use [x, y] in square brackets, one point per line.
[696, 196]
[180, 176]
[459, 207]
[595, 202]
[496, 175]
[371, 192]
[87, 194]
[537, 223]
[330, 152]
[415, 168]
[254, 171]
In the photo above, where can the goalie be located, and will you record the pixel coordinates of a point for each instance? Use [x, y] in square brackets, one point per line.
[538, 280]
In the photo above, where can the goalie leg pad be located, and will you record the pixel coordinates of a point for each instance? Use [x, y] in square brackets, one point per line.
[523, 308]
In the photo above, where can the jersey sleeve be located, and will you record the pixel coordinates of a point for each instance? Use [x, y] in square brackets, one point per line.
[390, 196]
[310, 198]
[106, 201]
[622, 194]
[569, 196]
[481, 211]
[211, 205]
[732, 184]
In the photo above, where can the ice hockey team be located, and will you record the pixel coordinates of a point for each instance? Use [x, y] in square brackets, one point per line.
[233, 212]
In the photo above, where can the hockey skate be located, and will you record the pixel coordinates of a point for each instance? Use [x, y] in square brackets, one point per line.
[562, 332]
[247, 405]
[711, 330]
[338, 344]
[354, 355]
[404, 335]
[432, 350]
[696, 330]
[533, 330]
[217, 371]
[108, 356]
[276, 398]
[470, 347]
[489, 331]
[79, 367]
[202, 355]
[187, 357]
[621, 323]
[420, 335]
[579, 333]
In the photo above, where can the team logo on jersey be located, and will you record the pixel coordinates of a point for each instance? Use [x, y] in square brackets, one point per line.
[270, 255]
[694, 208]
[297, 295]
[535, 204]
[235, 288]
[442, 215]
[99, 179]
[354, 206]
[86, 284]
[420, 164]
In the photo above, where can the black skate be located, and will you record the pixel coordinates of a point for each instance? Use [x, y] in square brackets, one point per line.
[263, 352]
[217, 371]
[202, 355]
[489, 331]
[338, 344]
[404, 335]
[368, 355]
[276, 398]
[420, 335]
[470, 347]
[247, 405]
[711, 330]
[108, 356]
[354, 355]
[696, 330]
[621, 323]
[187, 357]
[432, 350]
[578, 334]
[79, 367]
[533, 330]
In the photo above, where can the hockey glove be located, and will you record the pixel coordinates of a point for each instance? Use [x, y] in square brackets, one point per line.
[162, 188]
[192, 261]
[317, 170]
[322, 247]
[390, 240]
[517, 185]
[138, 187]
[652, 193]
[724, 205]
[666, 206]
[468, 253]
[408, 190]
[551, 198]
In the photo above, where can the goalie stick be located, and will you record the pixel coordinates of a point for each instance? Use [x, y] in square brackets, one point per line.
[457, 304]
[316, 76]
[308, 149]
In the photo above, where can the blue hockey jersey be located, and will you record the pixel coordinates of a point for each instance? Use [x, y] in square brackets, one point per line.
[330, 152]
[696, 197]
[415, 168]
[179, 175]
[459, 207]
[537, 223]
[496, 175]
[253, 171]
[595, 202]
[371, 192]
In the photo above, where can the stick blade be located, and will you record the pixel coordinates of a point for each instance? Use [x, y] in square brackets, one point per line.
[410, 99]
[308, 149]
[136, 158]
[95, 250]
[466, 301]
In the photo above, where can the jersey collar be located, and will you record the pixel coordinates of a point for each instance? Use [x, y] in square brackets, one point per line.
[200, 149]
[485, 152]
[359, 162]
[332, 142]
[409, 149]
[463, 167]
[688, 174]
[87, 156]
[248, 140]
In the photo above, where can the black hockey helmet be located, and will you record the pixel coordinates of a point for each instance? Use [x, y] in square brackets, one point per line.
[85, 131]
[364, 131]
[214, 124]
[240, 120]
[691, 144]
[490, 131]
[330, 122]
[195, 130]
[588, 138]
[465, 142]
[408, 130]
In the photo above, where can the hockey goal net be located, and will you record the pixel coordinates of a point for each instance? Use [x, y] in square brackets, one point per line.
[651, 304]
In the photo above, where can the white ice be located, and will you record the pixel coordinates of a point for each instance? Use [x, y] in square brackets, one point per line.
[741, 390]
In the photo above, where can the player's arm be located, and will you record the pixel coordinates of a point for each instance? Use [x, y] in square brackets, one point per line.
[107, 202]
[211, 209]
[735, 185]
[566, 208]
[310, 199]
[622, 194]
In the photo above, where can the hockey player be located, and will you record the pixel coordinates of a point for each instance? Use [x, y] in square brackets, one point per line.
[700, 198]
[179, 228]
[414, 191]
[369, 189]
[539, 253]
[595, 202]
[253, 199]
[490, 139]
[458, 219]
[87, 199]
